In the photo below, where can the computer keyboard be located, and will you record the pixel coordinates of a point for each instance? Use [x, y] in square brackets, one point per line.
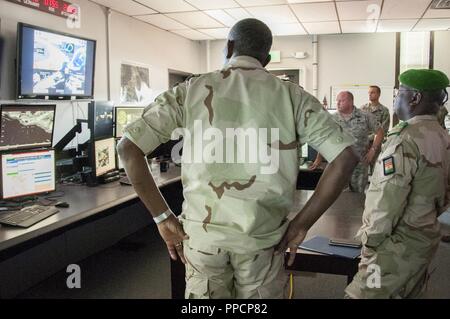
[27, 216]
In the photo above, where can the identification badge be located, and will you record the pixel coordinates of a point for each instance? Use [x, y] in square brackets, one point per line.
[389, 166]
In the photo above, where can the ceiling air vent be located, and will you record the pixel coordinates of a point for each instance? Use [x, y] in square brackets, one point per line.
[440, 4]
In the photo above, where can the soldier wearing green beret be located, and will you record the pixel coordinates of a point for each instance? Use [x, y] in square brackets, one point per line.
[409, 190]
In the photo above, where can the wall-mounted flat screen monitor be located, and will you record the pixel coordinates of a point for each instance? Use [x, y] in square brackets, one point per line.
[54, 65]
[26, 126]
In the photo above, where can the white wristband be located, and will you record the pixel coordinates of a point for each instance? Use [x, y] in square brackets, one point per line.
[159, 219]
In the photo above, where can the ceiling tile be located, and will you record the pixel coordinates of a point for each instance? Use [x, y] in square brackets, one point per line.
[164, 6]
[196, 20]
[222, 17]
[359, 10]
[404, 9]
[193, 34]
[238, 13]
[287, 29]
[437, 13]
[273, 14]
[315, 12]
[307, 1]
[220, 33]
[396, 25]
[363, 26]
[433, 25]
[252, 3]
[215, 4]
[163, 22]
[127, 7]
[330, 27]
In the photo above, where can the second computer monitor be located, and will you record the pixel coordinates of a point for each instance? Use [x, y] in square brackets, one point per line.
[27, 173]
[26, 126]
[104, 156]
[101, 119]
[125, 116]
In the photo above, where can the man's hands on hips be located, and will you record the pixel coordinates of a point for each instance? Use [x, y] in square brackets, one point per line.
[334, 178]
[293, 237]
[173, 235]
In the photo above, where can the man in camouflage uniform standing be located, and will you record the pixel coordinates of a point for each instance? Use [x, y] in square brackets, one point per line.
[360, 125]
[235, 213]
[378, 110]
[410, 188]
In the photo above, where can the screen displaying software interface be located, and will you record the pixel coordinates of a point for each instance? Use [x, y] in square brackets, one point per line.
[25, 126]
[28, 173]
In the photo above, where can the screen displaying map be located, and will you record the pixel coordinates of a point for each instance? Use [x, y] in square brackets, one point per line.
[25, 126]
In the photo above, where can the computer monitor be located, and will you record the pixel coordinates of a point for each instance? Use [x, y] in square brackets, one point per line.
[101, 119]
[26, 126]
[27, 173]
[312, 154]
[104, 159]
[54, 65]
[124, 116]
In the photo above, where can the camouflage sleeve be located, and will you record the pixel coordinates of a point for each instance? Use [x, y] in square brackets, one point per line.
[158, 120]
[316, 127]
[386, 121]
[372, 123]
[389, 190]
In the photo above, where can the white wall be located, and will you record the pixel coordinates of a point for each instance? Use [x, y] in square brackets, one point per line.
[343, 59]
[361, 59]
[287, 45]
[135, 41]
[131, 40]
[442, 51]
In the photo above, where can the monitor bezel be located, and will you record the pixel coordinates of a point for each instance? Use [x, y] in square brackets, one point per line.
[19, 93]
[94, 159]
[26, 152]
[115, 116]
[29, 147]
[91, 120]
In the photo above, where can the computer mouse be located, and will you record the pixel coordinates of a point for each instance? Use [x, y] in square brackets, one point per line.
[62, 204]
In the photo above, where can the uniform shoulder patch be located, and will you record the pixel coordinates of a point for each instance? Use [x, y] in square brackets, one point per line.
[398, 129]
[389, 165]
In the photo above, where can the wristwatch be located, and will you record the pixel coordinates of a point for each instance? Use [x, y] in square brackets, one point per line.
[162, 217]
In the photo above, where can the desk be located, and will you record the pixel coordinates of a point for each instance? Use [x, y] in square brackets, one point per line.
[342, 220]
[96, 219]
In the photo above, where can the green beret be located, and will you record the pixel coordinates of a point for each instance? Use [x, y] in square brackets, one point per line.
[424, 80]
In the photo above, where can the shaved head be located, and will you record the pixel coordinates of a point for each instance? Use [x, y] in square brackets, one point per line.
[251, 37]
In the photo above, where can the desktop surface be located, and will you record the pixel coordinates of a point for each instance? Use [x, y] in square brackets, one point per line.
[84, 202]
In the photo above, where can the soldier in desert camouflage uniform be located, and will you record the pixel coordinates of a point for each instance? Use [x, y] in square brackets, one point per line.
[409, 190]
[360, 125]
[234, 213]
[381, 114]
[378, 110]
